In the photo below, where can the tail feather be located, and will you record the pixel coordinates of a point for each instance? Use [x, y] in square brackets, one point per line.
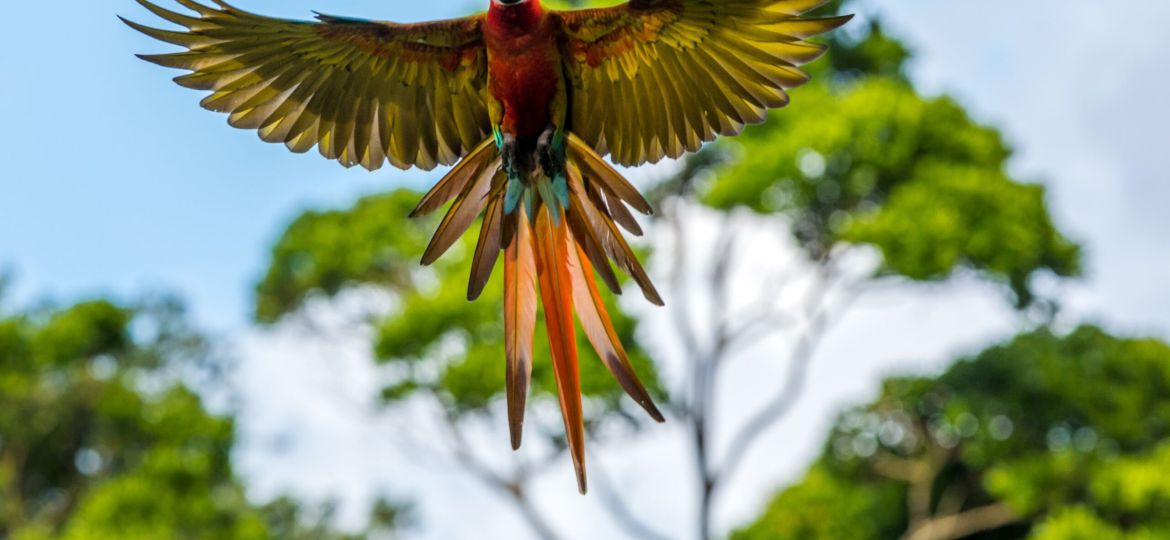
[588, 241]
[603, 173]
[556, 240]
[487, 250]
[463, 212]
[519, 321]
[615, 208]
[456, 181]
[599, 329]
[611, 239]
[552, 270]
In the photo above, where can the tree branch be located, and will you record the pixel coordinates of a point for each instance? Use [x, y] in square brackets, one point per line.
[515, 486]
[612, 501]
[964, 524]
[704, 369]
[680, 312]
[818, 316]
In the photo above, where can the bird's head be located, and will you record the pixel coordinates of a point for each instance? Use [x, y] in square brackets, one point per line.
[516, 5]
[518, 14]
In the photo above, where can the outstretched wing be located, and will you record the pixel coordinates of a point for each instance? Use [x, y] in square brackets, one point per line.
[363, 92]
[656, 78]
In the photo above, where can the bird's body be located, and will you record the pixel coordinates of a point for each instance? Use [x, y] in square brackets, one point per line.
[524, 68]
[525, 102]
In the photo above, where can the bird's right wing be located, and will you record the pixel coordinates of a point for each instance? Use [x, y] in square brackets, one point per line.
[657, 78]
[363, 92]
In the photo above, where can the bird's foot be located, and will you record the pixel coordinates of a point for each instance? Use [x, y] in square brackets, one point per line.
[512, 158]
[510, 154]
[550, 151]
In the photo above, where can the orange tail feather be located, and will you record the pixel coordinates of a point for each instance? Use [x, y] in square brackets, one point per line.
[599, 329]
[519, 321]
[556, 293]
[560, 253]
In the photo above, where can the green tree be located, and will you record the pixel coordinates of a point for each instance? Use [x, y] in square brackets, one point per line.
[101, 438]
[861, 162]
[1044, 437]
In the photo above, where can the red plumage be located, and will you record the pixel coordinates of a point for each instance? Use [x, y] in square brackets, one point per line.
[523, 66]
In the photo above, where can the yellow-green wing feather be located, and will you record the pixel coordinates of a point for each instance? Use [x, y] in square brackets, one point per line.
[657, 78]
[361, 92]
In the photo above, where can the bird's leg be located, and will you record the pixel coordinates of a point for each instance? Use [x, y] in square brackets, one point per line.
[510, 154]
[550, 151]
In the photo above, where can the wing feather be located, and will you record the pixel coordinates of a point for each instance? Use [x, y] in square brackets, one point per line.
[732, 61]
[362, 92]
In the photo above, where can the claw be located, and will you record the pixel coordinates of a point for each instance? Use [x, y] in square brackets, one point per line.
[509, 153]
[550, 150]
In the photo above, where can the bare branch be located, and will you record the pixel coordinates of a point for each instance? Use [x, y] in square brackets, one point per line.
[900, 469]
[965, 523]
[612, 501]
[706, 370]
[465, 458]
[680, 311]
[721, 279]
[819, 317]
[531, 514]
[515, 486]
[752, 329]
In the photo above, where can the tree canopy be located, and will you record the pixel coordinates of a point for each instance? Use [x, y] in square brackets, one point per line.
[862, 158]
[103, 437]
[1045, 437]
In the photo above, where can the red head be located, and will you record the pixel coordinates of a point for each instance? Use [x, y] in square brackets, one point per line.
[515, 14]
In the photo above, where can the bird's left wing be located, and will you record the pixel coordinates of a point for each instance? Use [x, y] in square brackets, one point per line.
[363, 92]
[656, 78]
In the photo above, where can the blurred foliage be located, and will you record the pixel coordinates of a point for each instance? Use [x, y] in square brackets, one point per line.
[1071, 432]
[289, 519]
[862, 158]
[434, 340]
[827, 507]
[327, 251]
[101, 439]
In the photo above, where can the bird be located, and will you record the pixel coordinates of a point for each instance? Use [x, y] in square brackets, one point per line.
[526, 103]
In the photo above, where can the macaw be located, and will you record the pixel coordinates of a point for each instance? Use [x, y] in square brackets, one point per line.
[525, 102]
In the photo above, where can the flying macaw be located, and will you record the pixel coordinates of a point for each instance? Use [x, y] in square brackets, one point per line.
[525, 102]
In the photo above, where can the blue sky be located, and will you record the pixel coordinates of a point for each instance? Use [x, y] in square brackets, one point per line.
[115, 179]
[112, 179]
